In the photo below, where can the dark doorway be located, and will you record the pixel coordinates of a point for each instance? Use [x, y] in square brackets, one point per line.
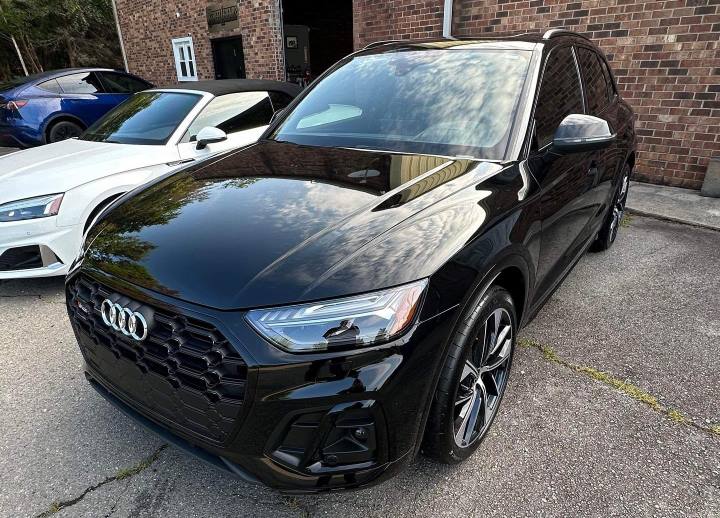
[317, 34]
[228, 58]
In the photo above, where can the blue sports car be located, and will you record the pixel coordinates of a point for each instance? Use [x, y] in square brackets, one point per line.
[60, 104]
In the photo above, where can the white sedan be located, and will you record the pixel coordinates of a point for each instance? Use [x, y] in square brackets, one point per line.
[50, 195]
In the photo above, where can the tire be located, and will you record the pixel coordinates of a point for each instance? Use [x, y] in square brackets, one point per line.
[608, 232]
[458, 393]
[63, 130]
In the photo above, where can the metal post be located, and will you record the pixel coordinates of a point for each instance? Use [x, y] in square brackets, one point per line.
[22, 61]
[447, 19]
[120, 37]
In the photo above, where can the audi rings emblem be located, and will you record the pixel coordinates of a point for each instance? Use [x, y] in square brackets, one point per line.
[128, 322]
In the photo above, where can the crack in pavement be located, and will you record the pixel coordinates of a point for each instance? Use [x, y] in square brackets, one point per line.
[120, 475]
[628, 389]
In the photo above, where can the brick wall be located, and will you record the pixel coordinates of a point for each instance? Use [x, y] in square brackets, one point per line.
[261, 28]
[665, 55]
[396, 19]
[149, 26]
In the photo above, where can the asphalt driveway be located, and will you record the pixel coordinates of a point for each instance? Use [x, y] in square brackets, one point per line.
[612, 409]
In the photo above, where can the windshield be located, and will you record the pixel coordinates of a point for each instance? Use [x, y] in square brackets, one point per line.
[146, 118]
[446, 102]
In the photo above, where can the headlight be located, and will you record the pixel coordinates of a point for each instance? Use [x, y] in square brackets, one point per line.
[357, 321]
[31, 208]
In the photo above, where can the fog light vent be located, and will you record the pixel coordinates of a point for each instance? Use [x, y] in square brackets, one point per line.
[21, 258]
[345, 437]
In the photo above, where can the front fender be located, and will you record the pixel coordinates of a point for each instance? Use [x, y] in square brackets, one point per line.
[79, 202]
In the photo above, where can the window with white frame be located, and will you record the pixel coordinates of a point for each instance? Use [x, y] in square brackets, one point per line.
[184, 59]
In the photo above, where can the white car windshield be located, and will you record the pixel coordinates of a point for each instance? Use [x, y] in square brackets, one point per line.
[146, 118]
[447, 102]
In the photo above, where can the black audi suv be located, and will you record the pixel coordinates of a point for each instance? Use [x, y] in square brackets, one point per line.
[313, 310]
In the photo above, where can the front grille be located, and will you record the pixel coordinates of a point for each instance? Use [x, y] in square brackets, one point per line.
[185, 373]
[21, 258]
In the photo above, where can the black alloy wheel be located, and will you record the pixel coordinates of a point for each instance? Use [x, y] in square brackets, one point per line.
[474, 378]
[64, 130]
[608, 232]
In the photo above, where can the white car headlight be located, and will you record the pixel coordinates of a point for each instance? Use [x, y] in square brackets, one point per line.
[350, 322]
[31, 208]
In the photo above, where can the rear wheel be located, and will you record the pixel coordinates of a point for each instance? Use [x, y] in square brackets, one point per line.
[473, 379]
[64, 130]
[608, 232]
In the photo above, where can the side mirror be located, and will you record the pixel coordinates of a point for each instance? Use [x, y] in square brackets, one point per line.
[579, 133]
[209, 135]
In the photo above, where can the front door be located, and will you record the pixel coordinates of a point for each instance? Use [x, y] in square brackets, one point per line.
[228, 58]
[567, 212]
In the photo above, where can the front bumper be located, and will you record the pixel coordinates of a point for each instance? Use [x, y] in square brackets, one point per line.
[56, 247]
[301, 423]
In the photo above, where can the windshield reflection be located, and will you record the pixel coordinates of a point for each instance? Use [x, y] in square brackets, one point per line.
[448, 102]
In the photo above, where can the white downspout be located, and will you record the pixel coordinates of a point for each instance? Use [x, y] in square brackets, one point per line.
[120, 36]
[447, 19]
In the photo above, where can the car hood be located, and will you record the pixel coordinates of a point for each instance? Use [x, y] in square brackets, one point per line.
[278, 223]
[64, 165]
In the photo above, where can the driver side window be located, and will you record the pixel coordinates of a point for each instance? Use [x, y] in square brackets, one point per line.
[232, 113]
[559, 96]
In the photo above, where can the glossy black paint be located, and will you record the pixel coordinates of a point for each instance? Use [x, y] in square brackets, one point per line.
[278, 223]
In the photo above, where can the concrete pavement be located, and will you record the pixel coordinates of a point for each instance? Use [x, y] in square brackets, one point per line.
[674, 204]
[7, 150]
[567, 441]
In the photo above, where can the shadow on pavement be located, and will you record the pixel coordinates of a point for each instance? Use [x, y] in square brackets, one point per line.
[43, 287]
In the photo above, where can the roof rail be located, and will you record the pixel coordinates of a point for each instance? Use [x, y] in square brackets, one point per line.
[378, 43]
[562, 32]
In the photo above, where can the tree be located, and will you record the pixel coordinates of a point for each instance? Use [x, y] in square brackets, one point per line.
[58, 34]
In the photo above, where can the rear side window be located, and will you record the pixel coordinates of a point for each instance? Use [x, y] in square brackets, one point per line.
[116, 83]
[50, 86]
[596, 87]
[608, 80]
[232, 113]
[559, 96]
[83, 83]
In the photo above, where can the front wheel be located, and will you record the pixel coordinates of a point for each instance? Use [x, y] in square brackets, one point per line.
[608, 232]
[473, 379]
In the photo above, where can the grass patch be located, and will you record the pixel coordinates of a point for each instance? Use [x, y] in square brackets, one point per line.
[608, 379]
[626, 220]
[144, 464]
[676, 416]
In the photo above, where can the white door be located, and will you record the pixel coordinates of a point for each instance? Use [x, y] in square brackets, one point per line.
[184, 59]
[239, 139]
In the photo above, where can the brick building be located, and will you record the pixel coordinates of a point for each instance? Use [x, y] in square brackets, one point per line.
[665, 54]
